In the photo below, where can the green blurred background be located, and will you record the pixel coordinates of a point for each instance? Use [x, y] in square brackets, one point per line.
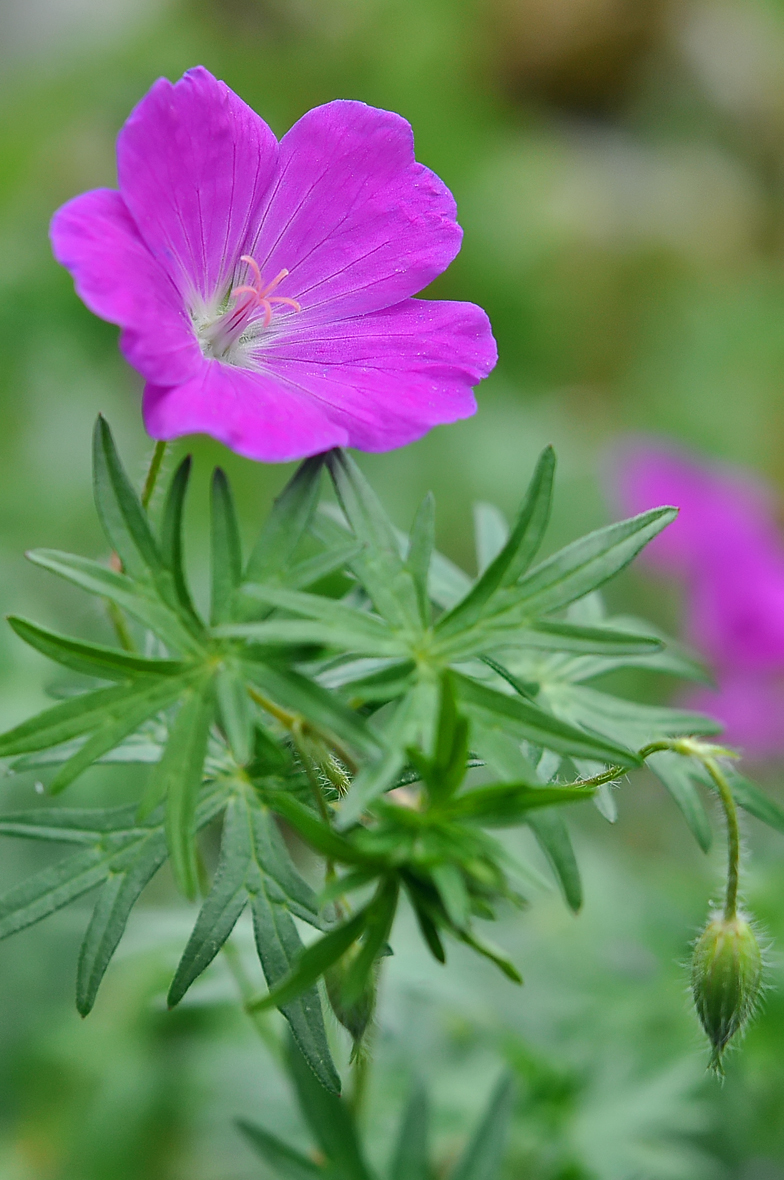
[619, 171]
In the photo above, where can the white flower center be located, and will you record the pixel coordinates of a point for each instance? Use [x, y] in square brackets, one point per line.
[230, 332]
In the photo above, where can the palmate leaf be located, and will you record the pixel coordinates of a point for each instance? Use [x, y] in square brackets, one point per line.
[584, 565]
[120, 512]
[280, 947]
[379, 566]
[622, 720]
[92, 659]
[88, 712]
[528, 722]
[255, 867]
[116, 849]
[285, 526]
[132, 597]
[514, 558]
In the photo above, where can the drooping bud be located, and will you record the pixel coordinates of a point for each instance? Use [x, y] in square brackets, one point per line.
[726, 980]
[355, 1015]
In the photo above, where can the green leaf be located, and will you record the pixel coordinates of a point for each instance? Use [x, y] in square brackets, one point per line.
[491, 532]
[313, 961]
[286, 1163]
[316, 833]
[622, 720]
[548, 635]
[410, 1156]
[380, 915]
[449, 882]
[171, 534]
[506, 804]
[119, 509]
[223, 905]
[484, 1155]
[91, 659]
[117, 723]
[313, 569]
[253, 857]
[141, 604]
[234, 711]
[340, 625]
[110, 916]
[379, 566]
[585, 564]
[279, 947]
[503, 754]
[753, 800]
[81, 714]
[50, 890]
[116, 850]
[129, 872]
[517, 553]
[226, 555]
[492, 952]
[290, 516]
[674, 772]
[177, 779]
[530, 723]
[451, 751]
[330, 1121]
[552, 836]
[420, 550]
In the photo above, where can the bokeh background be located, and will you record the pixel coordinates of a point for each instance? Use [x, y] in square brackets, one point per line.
[619, 171]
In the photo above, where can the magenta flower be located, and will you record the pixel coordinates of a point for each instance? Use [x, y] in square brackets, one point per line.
[264, 289]
[727, 549]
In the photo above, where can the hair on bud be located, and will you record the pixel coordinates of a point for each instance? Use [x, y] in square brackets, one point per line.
[726, 980]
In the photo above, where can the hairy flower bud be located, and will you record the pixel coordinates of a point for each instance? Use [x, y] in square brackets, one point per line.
[354, 1016]
[726, 979]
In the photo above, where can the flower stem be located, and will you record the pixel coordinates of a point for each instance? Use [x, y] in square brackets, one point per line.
[153, 472]
[733, 835]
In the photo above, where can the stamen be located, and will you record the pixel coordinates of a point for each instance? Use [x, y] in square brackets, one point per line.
[275, 282]
[282, 299]
[254, 266]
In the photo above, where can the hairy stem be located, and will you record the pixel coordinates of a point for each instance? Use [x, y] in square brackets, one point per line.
[733, 835]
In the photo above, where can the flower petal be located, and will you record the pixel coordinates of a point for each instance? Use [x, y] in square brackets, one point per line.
[194, 163]
[359, 224]
[117, 277]
[388, 377]
[254, 414]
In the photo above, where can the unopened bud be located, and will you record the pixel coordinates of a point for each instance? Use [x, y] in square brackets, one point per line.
[726, 980]
[354, 1016]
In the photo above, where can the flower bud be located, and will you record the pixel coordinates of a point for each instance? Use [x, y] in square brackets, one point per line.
[354, 1016]
[726, 980]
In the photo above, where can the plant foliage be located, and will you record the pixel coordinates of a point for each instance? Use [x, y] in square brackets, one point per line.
[392, 728]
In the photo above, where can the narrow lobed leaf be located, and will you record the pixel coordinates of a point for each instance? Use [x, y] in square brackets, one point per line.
[226, 549]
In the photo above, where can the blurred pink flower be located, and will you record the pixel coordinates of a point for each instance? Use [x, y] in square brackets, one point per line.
[727, 549]
[264, 289]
